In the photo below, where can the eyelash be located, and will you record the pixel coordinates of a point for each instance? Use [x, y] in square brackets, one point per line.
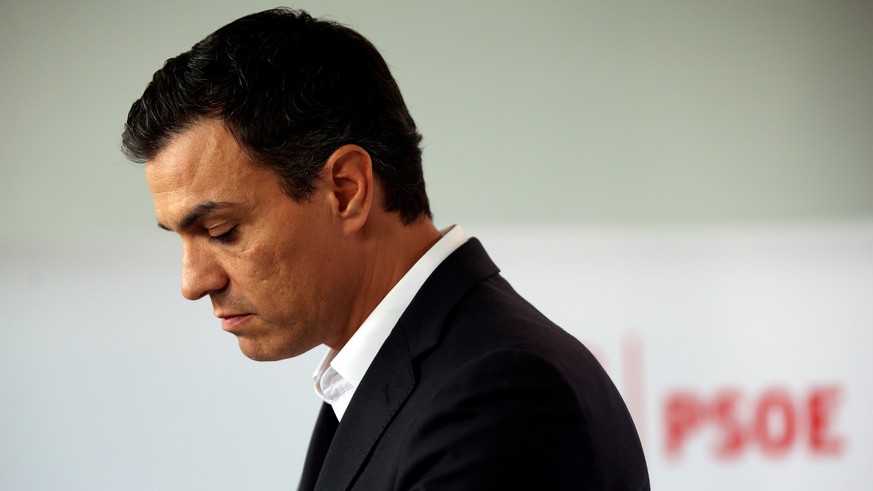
[225, 238]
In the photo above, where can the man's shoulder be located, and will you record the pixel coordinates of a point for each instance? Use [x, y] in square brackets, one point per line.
[481, 312]
[492, 316]
[499, 396]
[505, 383]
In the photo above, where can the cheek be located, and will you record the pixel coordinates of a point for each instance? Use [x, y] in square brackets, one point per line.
[263, 268]
[272, 274]
[290, 271]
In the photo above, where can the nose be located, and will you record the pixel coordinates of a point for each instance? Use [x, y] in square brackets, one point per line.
[201, 273]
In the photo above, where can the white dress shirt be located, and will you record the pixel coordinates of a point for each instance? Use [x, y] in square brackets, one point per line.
[339, 373]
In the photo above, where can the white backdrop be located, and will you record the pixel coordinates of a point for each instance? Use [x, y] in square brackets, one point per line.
[744, 354]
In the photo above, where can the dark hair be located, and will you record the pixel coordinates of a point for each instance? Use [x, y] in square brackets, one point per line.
[291, 89]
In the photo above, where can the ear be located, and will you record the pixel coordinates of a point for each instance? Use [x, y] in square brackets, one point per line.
[348, 178]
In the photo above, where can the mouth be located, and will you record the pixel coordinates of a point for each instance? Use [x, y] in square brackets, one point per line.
[232, 322]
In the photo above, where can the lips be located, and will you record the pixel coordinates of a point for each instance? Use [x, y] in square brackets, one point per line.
[232, 322]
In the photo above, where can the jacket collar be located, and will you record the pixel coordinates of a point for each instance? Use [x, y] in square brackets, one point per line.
[390, 378]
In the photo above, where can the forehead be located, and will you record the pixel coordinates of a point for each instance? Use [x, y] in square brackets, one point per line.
[203, 163]
[199, 156]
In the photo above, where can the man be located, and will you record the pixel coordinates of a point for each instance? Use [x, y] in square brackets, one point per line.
[280, 149]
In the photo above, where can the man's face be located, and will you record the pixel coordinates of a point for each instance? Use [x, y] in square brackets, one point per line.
[271, 266]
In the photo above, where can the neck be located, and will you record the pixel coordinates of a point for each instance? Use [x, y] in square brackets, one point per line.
[388, 250]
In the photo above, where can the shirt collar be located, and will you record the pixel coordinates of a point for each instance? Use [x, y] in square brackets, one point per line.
[352, 361]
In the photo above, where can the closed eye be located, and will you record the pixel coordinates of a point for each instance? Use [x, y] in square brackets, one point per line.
[225, 238]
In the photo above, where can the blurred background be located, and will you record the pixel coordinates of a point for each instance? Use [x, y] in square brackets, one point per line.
[686, 187]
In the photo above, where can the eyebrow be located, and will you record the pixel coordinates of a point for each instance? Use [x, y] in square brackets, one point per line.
[201, 210]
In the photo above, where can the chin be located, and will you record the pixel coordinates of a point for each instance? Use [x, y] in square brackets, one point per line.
[260, 352]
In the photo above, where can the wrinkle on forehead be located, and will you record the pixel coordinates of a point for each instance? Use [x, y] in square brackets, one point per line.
[195, 166]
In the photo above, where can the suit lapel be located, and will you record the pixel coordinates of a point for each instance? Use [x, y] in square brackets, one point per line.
[322, 435]
[390, 378]
[375, 402]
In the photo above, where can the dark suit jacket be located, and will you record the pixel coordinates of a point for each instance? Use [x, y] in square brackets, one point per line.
[475, 389]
